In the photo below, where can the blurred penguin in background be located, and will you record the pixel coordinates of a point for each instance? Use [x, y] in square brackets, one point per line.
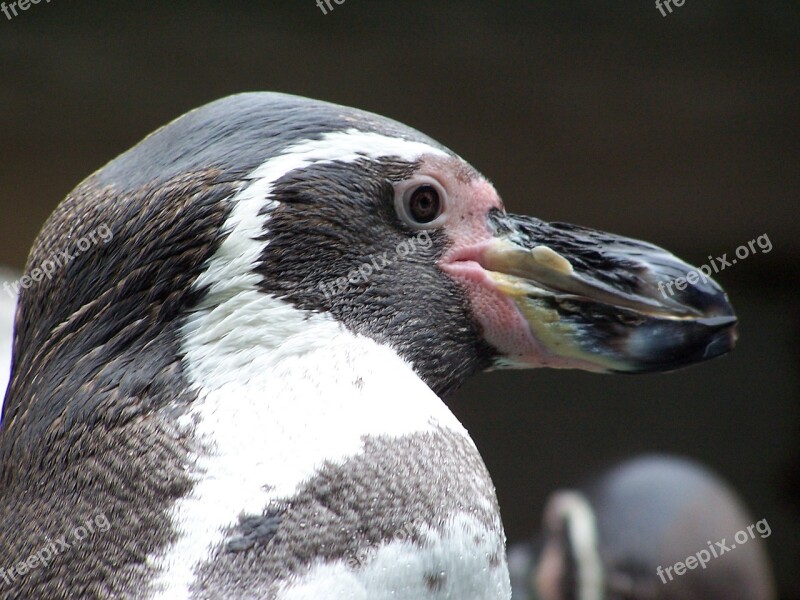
[651, 528]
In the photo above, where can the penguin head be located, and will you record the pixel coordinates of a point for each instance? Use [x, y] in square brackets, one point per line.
[342, 212]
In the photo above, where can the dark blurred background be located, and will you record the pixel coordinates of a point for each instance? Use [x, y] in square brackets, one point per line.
[682, 130]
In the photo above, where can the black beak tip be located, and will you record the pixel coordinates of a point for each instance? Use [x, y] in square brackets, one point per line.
[722, 338]
[674, 345]
[714, 334]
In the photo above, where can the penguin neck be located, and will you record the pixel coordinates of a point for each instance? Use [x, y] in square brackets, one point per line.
[275, 381]
[280, 393]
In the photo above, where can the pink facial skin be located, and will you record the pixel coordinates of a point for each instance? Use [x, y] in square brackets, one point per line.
[470, 198]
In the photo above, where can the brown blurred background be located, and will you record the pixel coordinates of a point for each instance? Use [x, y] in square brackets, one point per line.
[682, 130]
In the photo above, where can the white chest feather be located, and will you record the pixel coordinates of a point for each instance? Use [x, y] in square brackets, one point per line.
[306, 402]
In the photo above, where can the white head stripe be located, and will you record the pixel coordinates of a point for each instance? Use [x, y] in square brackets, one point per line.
[343, 146]
[230, 272]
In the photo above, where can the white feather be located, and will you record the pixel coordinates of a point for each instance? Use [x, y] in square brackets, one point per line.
[8, 303]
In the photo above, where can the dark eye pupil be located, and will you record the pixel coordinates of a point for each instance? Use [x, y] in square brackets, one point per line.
[424, 204]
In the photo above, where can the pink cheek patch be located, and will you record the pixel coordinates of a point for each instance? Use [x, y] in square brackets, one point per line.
[502, 323]
[503, 326]
[471, 198]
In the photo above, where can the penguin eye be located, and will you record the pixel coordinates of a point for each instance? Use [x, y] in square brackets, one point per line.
[421, 203]
[424, 205]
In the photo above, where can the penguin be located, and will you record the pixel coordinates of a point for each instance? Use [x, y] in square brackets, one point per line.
[239, 395]
[653, 527]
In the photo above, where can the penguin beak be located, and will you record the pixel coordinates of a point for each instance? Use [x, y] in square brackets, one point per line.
[603, 302]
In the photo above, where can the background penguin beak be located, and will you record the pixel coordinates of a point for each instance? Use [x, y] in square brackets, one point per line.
[605, 302]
